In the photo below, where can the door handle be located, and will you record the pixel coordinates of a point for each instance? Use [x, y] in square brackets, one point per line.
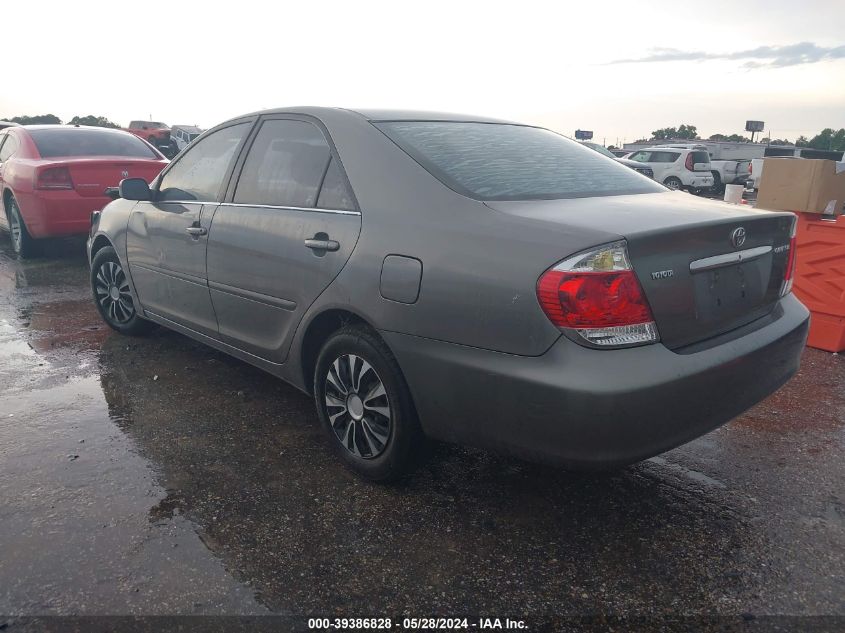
[322, 245]
[196, 231]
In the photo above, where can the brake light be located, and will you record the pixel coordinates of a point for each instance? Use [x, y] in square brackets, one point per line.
[688, 162]
[597, 295]
[789, 270]
[54, 178]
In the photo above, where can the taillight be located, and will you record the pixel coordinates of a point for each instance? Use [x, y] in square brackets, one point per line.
[688, 162]
[789, 270]
[597, 295]
[54, 178]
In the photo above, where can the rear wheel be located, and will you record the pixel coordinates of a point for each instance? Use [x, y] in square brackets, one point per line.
[673, 182]
[22, 242]
[718, 186]
[112, 296]
[365, 406]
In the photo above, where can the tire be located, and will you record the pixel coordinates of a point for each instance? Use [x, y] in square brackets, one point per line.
[110, 289]
[376, 436]
[718, 186]
[674, 183]
[22, 242]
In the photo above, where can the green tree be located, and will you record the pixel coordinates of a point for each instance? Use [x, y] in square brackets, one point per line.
[36, 120]
[684, 132]
[93, 121]
[829, 139]
[801, 141]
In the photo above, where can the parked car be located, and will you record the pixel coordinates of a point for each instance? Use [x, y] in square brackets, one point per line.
[729, 172]
[5, 124]
[677, 168]
[645, 170]
[462, 278]
[155, 133]
[53, 176]
[183, 135]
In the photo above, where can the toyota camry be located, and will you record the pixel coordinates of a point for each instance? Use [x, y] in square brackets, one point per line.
[460, 278]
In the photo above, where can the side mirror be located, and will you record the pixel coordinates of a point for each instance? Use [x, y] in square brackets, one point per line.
[135, 189]
[112, 192]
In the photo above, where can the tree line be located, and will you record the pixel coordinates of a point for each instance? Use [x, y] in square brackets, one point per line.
[52, 119]
[827, 139]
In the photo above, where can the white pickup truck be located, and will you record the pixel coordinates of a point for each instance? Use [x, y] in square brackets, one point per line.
[730, 172]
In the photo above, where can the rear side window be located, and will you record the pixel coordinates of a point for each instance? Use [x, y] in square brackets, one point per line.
[664, 157]
[492, 161]
[201, 169]
[334, 193]
[285, 166]
[84, 141]
[8, 148]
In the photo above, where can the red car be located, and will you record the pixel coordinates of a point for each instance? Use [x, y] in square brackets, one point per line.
[155, 133]
[53, 176]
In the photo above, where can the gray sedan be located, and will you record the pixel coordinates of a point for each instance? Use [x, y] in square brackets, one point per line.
[459, 278]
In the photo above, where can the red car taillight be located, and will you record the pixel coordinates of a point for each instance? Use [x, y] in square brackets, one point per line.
[789, 271]
[54, 178]
[598, 296]
[688, 162]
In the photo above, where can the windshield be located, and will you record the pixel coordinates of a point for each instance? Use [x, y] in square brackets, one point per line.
[601, 149]
[497, 161]
[89, 142]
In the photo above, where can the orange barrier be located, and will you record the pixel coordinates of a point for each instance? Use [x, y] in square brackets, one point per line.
[820, 278]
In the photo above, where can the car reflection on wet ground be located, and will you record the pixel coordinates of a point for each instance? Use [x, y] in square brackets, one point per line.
[157, 476]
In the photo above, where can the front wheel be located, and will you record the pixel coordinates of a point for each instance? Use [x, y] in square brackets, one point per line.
[22, 242]
[112, 296]
[365, 406]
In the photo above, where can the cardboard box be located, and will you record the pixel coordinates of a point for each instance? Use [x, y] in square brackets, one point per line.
[798, 184]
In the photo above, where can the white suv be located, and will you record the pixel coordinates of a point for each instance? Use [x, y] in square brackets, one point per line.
[677, 168]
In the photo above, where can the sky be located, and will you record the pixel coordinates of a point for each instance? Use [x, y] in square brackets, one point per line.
[620, 69]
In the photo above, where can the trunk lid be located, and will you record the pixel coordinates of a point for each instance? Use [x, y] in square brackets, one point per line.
[700, 277]
[92, 176]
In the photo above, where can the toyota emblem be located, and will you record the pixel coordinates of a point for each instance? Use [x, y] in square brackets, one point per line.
[738, 237]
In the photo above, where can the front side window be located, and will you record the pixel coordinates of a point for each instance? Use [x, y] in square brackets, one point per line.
[642, 157]
[8, 148]
[200, 171]
[498, 161]
[285, 166]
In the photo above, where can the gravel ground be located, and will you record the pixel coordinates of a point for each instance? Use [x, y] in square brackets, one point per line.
[156, 476]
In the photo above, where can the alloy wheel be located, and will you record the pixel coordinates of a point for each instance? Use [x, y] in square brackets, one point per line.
[112, 290]
[357, 406]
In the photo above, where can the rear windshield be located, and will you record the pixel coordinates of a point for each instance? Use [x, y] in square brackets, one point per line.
[700, 157]
[89, 142]
[493, 161]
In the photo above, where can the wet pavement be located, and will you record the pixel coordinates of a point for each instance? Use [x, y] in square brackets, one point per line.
[157, 476]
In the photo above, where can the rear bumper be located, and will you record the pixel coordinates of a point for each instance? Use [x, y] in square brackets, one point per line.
[701, 181]
[596, 408]
[59, 213]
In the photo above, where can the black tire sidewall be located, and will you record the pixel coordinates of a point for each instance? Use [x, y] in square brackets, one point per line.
[405, 437]
[136, 325]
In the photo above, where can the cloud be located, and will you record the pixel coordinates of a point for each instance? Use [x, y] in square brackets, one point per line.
[760, 57]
